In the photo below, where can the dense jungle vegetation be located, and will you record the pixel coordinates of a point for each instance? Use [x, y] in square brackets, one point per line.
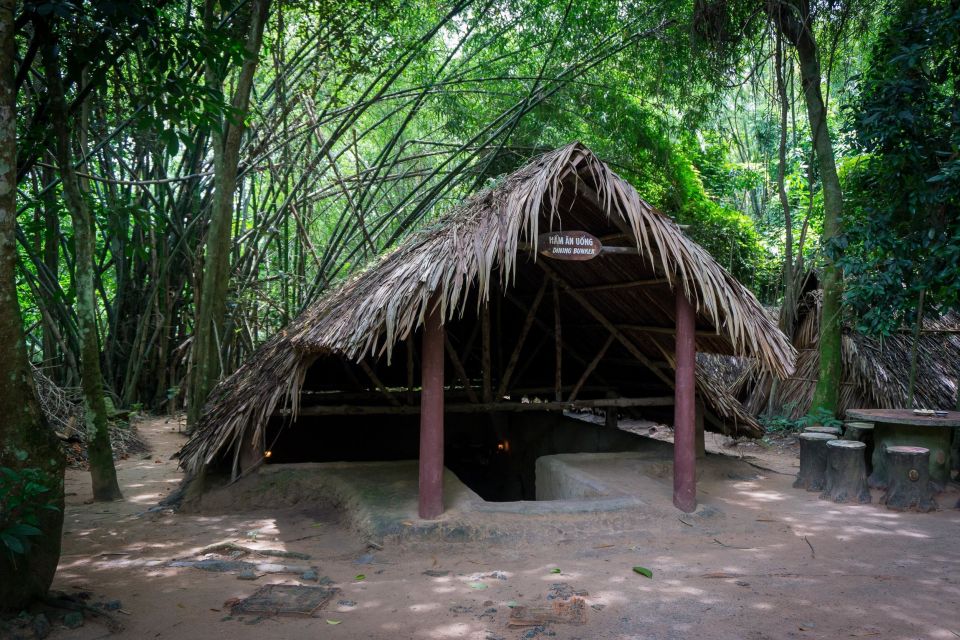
[179, 178]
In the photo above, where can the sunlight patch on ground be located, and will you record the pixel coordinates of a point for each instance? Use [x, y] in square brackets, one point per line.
[444, 589]
[457, 630]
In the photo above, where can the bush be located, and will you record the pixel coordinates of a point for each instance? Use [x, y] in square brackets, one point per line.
[24, 493]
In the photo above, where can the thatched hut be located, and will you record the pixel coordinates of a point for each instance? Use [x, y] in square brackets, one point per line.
[479, 315]
[876, 370]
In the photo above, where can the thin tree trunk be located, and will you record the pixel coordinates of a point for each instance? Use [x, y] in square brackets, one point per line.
[918, 325]
[51, 259]
[212, 299]
[27, 441]
[794, 22]
[102, 470]
[789, 306]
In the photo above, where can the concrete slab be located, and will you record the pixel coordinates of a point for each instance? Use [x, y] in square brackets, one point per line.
[583, 493]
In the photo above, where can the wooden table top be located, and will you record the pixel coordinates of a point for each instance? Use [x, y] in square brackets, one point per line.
[904, 416]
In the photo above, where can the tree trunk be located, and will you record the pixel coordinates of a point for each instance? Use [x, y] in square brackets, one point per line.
[27, 440]
[102, 470]
[51, 259]
[846, 478]
[813, 461]
[793, 20]
[914, 348]
[908, 480]
[789, 307]
[211, 300]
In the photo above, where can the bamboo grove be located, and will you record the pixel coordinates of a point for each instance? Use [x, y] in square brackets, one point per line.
[190, 175]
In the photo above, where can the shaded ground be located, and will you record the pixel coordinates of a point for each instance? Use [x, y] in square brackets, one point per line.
[773, 563]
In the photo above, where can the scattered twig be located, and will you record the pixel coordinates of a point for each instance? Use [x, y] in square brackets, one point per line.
[813, 554]
[730, 546]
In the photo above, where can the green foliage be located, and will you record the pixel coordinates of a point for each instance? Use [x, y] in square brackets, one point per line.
[903, 231]
[821, 417]
[785, 424]
[24, 493]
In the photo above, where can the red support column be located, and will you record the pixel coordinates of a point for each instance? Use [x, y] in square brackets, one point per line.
[431, 416]
[684, 417]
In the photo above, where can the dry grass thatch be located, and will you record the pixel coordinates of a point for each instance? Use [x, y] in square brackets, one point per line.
[383, 305]
[461, 252]
[875, 370]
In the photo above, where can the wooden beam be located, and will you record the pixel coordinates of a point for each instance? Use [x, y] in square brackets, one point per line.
[624, 340]
[485, 356]
[548, 330]
[430, 489]
[452, 394]
[376, 382]
[614, 286]
[524, 331]
[483, 407]
[458, 367]
[558, 345]
[619, 251]
[590, 367]
[410, 369]
[684, 416]
[649, 328]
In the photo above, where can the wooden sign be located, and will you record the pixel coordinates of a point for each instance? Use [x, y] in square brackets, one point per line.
[569, 245]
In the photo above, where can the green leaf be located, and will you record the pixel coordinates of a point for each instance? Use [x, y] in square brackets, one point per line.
[555, 571]
[359, 577]
[477, 585]
[643, 571]
[329, 621]
[23, 530]
[12, 543]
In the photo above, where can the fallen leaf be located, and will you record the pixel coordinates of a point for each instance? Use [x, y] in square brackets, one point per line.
[329, 621]
[555, 571]
[359, 577]
[477, 585]
[643, 571]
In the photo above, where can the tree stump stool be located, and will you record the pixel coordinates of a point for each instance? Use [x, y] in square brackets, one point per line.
[861, 432]
[846, 477]
[813, 461]
[833, 431]
[908, 480]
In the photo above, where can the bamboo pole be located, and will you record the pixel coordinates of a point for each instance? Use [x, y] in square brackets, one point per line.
[483, 407]
[590, 367]
[458, 367]
[527, 324]
[485, 355]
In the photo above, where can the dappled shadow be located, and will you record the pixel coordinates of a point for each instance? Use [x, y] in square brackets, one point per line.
[771, 562]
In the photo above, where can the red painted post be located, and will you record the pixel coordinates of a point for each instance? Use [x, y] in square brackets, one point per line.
[684, 417]
[431, 417]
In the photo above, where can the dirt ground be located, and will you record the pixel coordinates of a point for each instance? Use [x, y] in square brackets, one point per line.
[776, 563]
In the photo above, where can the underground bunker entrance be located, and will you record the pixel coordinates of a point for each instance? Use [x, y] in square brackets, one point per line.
[494, 454]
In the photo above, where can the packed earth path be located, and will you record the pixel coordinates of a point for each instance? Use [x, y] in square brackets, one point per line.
[764, 562]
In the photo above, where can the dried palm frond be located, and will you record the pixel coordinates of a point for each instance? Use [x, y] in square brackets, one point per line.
[875, 370]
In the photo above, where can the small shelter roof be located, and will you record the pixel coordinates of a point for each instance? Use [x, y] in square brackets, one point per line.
[457, 259]
[876, 370]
